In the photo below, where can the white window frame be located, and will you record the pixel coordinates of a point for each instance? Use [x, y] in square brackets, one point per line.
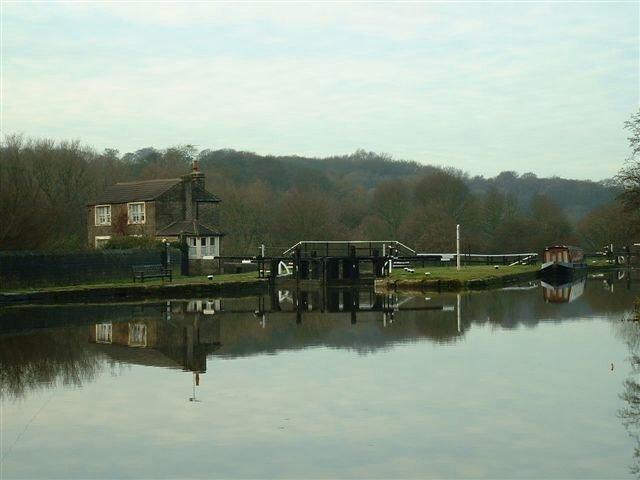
[137, 335]
[130, 219]
[104, 332]
[211, 248]
[108, 216]
[100, 237]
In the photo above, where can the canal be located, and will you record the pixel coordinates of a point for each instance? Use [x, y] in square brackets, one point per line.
[535, 380]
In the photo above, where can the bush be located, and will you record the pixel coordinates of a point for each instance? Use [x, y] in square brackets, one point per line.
[127, 242]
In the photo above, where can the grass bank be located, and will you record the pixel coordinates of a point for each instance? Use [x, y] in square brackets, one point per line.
[126, 289]
[448, 278]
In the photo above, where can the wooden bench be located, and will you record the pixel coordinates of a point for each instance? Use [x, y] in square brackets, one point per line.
[142, 272]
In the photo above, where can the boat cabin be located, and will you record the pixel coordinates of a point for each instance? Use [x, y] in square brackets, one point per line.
[562, 254]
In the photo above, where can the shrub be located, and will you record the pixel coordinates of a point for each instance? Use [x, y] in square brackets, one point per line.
[127, 242]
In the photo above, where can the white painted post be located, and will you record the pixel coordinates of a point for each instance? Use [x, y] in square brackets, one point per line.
[262, 250]
[459, 315]
[457, 247]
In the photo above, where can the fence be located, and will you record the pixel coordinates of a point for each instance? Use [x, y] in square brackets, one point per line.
[41, 268]
[449, 259]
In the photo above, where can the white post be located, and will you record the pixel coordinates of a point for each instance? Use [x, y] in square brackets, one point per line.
[457, 247]
[459, 315]
[262, 250]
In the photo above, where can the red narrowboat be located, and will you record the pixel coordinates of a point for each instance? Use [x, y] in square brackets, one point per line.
[562, 260]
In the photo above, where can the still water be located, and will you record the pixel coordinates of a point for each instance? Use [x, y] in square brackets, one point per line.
[532, 381]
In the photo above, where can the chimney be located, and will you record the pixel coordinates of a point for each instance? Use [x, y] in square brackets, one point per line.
[189, 181]
[197, 176]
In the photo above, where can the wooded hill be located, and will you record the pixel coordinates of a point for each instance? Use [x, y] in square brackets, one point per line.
[368, 169]
[44, 187]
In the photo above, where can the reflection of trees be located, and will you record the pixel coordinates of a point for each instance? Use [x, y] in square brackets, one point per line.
[63, 355]
[44, 359]
[630, 413]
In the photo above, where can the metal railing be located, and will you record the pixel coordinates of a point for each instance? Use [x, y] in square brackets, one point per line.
[369, 245]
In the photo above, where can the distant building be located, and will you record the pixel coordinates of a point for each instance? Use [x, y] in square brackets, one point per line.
[174, 209]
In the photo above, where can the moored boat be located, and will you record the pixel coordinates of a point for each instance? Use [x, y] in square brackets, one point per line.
[562, 260]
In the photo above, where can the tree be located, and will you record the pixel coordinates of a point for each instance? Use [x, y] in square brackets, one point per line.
[23, 222]
[392, 204]
[446, 190]
[608, 224]
[551, 225]
[246, 216]
[629, 176]
[308, 215]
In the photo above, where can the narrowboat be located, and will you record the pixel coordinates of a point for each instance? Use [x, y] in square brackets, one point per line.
[562, 260]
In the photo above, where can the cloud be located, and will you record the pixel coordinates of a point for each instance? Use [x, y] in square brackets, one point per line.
[483, 87]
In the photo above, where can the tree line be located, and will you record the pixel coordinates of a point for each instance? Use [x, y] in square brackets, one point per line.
[276, 201]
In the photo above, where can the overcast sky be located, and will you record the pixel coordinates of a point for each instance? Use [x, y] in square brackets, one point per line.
[484, 87]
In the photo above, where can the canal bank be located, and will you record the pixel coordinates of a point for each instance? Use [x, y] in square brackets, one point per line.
[450, 279]
[232, 284]
[467, 278]
[421, 279]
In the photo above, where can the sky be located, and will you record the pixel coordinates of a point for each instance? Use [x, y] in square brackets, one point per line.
[542, 87]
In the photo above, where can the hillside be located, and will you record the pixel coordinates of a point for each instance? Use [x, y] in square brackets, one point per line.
[277, 200]
[368, 169]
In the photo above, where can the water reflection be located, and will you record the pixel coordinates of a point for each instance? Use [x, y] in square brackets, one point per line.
[629, 330]
[563, 291]
[45, 358]
[436, 374]
[42, 346]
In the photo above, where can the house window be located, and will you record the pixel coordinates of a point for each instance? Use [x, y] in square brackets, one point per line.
[203, 247]
[102, 241]
[136, 212]
[103, 214]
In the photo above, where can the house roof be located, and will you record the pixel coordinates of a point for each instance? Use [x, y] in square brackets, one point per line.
[189, 227]
[201, 195]
[136, 191]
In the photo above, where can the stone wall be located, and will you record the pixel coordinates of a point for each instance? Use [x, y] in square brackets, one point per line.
[119, 223]
[198, 266]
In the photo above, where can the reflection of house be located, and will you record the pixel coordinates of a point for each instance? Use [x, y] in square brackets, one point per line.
[180, 340]
[207, 307]
[174, 209]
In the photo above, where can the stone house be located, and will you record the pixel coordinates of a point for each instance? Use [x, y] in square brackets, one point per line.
[173, 209]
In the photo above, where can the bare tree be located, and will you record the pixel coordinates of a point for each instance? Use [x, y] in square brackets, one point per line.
[629, 176]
